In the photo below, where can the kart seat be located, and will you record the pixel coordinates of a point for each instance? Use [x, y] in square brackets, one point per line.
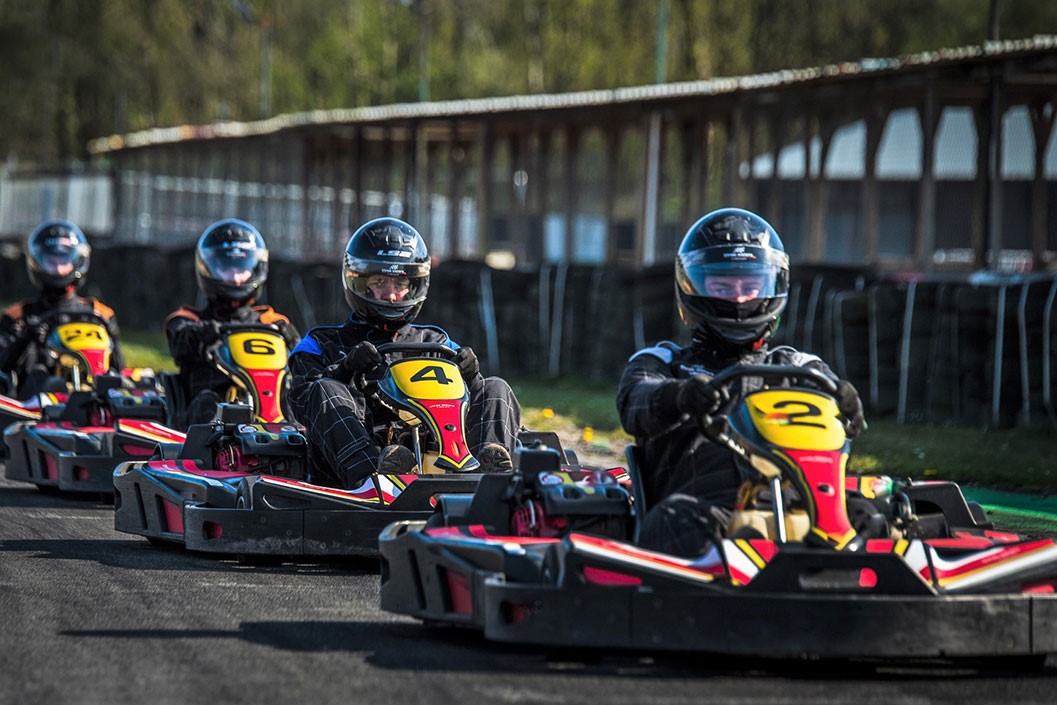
[638, 488]
[175, 398]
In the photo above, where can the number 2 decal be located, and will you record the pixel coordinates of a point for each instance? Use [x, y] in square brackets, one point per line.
[793, 418]
[432, 373]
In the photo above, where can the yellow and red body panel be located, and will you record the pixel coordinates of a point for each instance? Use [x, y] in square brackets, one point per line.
[801, 430]
[434, 390]
[89, 342]
[258, 361]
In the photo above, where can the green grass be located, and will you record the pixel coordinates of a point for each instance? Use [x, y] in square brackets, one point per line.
[146, 349]
[1014, 459]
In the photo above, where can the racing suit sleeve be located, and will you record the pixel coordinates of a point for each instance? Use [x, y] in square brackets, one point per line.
[12, 342]
[117, 356]
[184, 334]
[646, 396]
[290, 334]
[308, 363]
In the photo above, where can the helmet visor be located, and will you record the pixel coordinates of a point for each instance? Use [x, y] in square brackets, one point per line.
[59, 254]
[387, 289]
[235, 263]
[740, 274]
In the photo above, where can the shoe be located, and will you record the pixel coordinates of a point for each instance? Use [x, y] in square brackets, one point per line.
[397, 460]
[494, 458]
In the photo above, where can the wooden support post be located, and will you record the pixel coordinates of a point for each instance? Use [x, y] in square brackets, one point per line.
[1042, 127]
[569, 176]
[485, 173]
[871, 203]
[925, 217]
[457, 167]
[612, 135]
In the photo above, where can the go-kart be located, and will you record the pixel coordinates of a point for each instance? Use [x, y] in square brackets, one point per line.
[810, 563]
[77, 346]
[76, 445]
[240, 487]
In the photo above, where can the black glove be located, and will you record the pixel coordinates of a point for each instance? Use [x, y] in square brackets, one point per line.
[467, 363]
[208, 332]
[36, 332]
[850, 406]
[698, 396]
[361, 359]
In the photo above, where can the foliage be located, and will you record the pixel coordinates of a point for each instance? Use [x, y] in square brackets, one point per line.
[78, 69]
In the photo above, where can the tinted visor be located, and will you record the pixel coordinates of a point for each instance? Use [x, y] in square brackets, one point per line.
[59, 254]
[235, 262]
[739, 273]
[384, 288]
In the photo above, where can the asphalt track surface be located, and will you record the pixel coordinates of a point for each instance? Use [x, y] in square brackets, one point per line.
[89, 615]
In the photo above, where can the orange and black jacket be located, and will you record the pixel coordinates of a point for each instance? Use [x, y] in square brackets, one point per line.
[18, 349]
[187, 331]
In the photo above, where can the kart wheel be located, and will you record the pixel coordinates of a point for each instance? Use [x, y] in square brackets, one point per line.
[244, 495]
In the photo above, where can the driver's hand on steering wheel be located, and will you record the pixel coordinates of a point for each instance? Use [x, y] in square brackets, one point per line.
[699, 397]
[466, 360]
[363, 358]
[850, 406]
[208, 333]
[36, 332]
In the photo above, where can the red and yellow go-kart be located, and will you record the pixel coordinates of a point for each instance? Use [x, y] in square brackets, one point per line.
[811, 563]
[240, 487]
[75, 445]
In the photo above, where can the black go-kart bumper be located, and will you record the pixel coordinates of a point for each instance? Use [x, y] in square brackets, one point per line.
[536, 594]
[69, 461]
[256, 515]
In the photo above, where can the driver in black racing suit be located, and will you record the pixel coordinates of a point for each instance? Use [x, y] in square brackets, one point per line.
[57, 260]
[231, 268]
[732, 283]
[385, 275]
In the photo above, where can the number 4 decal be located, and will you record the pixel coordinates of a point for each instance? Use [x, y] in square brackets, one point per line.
[433, 373]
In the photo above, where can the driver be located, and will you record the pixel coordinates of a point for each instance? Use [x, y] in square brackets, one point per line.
[385, 275]
[57, 259]
[231, 266]
[731, 286]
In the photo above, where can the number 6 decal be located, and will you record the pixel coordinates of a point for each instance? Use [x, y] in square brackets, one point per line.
[257, 346]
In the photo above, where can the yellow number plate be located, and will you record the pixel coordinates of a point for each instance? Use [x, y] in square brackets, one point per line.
[83, 336]
[257, 350]
[428, 379]
[796, 420]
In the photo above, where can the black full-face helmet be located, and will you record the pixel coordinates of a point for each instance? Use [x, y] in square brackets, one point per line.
[385, 273]
[231, 263]
[57, 256]
[731, 280]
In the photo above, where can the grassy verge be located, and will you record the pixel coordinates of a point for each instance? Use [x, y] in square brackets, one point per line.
[146, 349]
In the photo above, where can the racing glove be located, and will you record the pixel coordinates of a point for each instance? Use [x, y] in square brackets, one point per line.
[35, 332]
[363, 358]
[466, 360]
[208, 332]
[850, 406]
[697, 396]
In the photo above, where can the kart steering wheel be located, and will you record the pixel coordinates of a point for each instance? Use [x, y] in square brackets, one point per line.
[713, 426]
[366, 381]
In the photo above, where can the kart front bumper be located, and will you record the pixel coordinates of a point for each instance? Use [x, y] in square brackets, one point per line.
[512, 595]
